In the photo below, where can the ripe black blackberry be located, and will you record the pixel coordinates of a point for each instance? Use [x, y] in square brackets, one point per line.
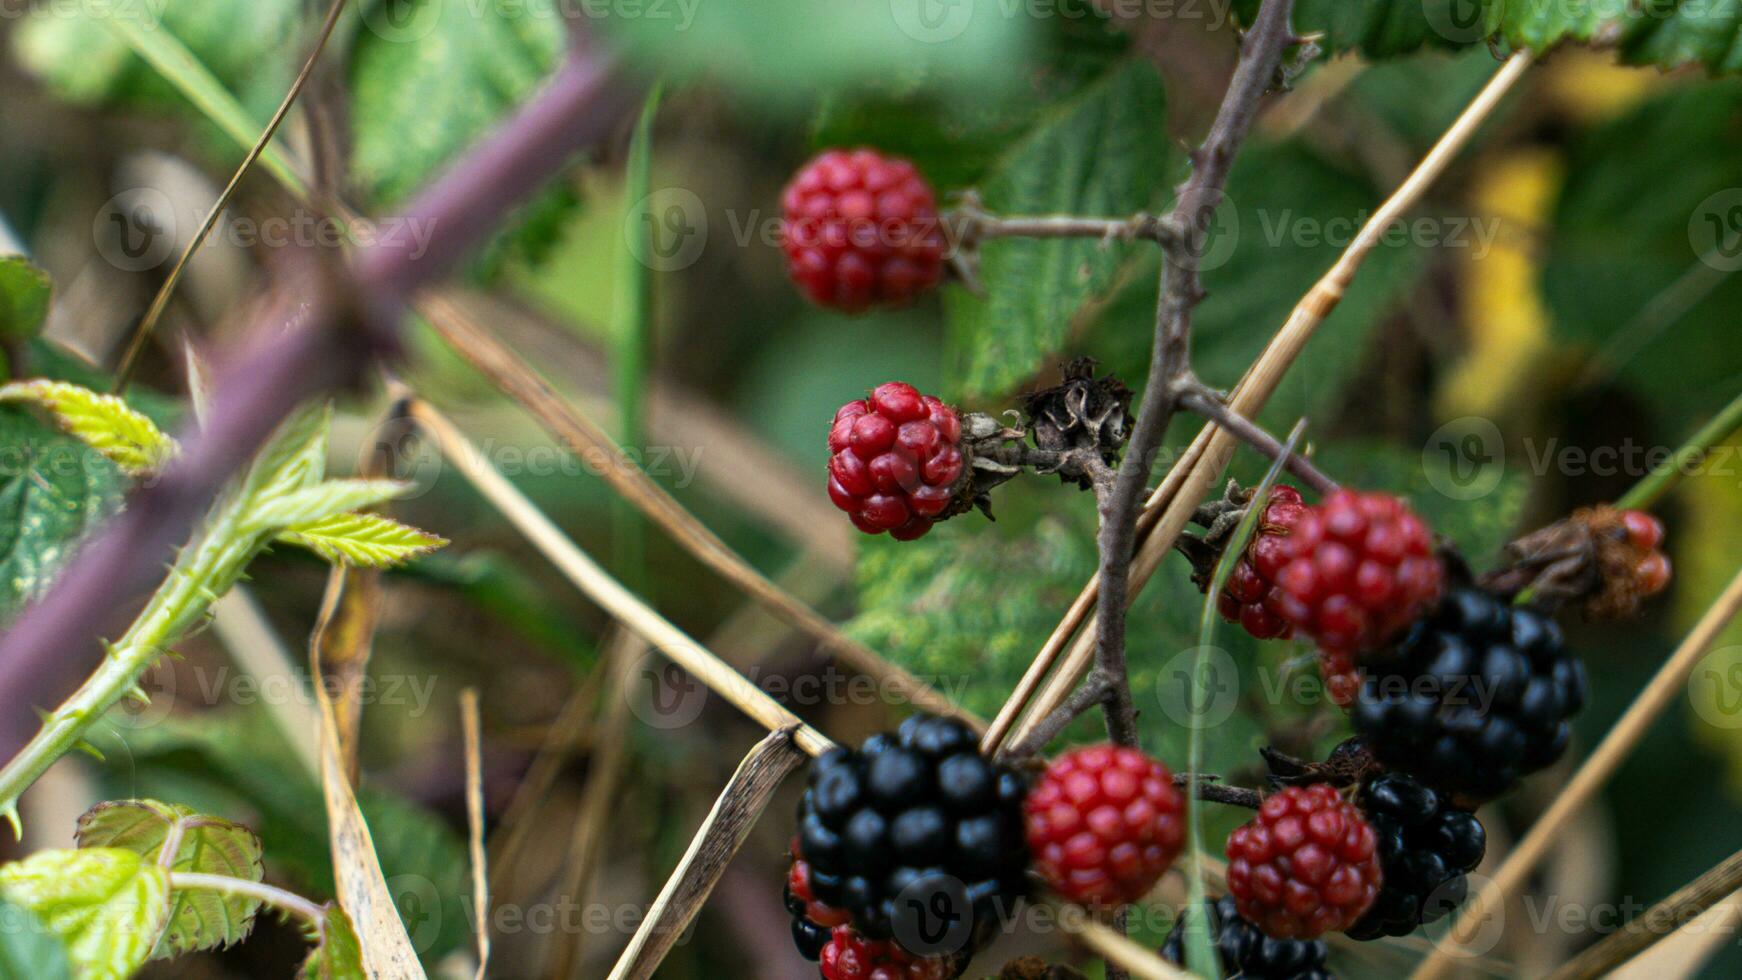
[1474, 697]
[1426, 845]
[1249, 953]
[916, 836]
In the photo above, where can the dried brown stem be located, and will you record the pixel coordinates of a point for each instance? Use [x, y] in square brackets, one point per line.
[1656, 923]
[1204, 402]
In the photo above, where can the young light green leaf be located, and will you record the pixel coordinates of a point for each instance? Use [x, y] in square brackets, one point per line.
[337, 955]
[369, 540]
[323, 500]
[107, 904]
[24, 296]
[204, 845]
[1102, 152]
[103, 422]
[29, 949]
[296, 456]
[53, 490]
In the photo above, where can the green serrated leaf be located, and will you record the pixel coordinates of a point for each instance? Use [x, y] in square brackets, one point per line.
[1102, 152]
[238, 761]
[369, 540]
[321, 501]
[29, 949]
[103, 422]
[53, 491]
[1673, 33]
[428, 78]
[24, 295]
[108, 905]
[208, 845]
[337, 955]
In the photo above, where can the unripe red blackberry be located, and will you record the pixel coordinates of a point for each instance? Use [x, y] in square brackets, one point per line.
[1350, 573]
[1104, 824]
[1308, 864]
[860, 229]
[897, 459]
[852, 956]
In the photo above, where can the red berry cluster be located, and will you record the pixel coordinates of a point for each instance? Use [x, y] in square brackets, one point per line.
[1104, 824]
[861, 229]
[1308, 864]
[1350, 573]
[1645, 534]
[897, 457]
[851, 956]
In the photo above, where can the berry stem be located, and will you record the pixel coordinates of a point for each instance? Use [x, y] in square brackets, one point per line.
[1203, 401]
[969, 224]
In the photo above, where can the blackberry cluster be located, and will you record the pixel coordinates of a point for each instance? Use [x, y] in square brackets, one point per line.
[896, 458]
[916, 836]
[1426, 846]
[861, 229]
[1307, 864]
[1475, 697]
[1248, 953]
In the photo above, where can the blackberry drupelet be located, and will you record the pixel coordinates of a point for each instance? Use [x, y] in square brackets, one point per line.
[1248, 953]
[916, 836]
[1475, 697]
[1426, 846]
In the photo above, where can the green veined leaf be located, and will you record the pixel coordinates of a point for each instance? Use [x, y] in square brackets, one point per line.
[323, 500]
[29, 949]
[24, 296]
[369, 540]
[107, 904]
[208, 845]
[1672, 33]
[1102, 152]
[103, 422]
[53, 490]
[337, 955]
[296, 456]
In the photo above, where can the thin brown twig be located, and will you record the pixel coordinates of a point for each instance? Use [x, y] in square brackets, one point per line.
[1204, 402]
[1659, 693]
[1048, 682]
[1180, 290]
[160, 302]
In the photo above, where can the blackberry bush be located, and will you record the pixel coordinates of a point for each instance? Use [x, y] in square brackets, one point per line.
[1475, 697]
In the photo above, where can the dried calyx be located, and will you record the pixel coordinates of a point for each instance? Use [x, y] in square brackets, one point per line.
[1603, 559]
